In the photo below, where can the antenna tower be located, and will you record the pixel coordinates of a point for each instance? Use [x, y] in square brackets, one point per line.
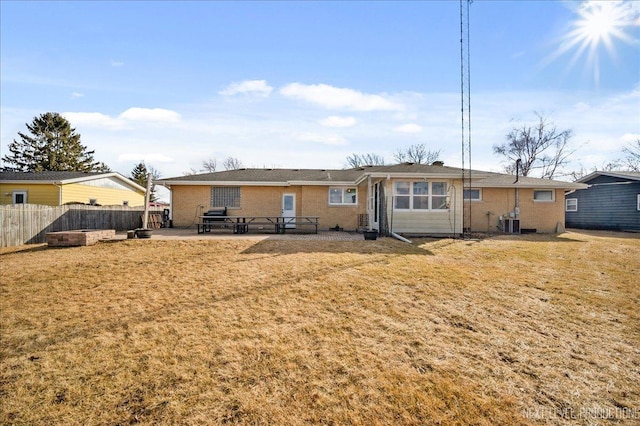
[465, 94]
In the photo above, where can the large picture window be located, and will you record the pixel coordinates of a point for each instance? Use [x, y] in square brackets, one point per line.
[225, 196]
[343, 196]
[420, 195]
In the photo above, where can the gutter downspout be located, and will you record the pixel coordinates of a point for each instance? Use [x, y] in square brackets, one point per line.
[369, 204]
[59, 193]
[399, 237]
[516, 208]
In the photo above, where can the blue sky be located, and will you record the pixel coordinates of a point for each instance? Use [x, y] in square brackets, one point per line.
[305, 84]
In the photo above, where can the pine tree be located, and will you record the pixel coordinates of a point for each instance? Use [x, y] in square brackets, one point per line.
[51, 145]
[139, 175]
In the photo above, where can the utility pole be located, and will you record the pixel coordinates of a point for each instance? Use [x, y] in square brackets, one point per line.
[465, 95]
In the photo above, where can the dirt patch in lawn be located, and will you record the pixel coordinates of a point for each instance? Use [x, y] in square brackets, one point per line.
[506, 330]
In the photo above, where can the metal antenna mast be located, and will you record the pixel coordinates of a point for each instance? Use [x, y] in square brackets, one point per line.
[465, 92]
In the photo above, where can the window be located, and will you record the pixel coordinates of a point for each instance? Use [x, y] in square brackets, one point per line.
[343, 196]
[19, 197]
[439, 196]
[638, 202]
[571, 205]
[420, 195]
[474, 194]
[542, 195]
[225, 196]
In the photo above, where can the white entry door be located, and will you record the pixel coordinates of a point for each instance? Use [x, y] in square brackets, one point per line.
[289, 209]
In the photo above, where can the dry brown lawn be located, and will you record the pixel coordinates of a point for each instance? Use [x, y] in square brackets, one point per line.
[499, 331]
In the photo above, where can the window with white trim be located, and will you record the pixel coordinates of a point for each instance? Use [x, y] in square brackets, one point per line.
[474, 193]
[638, 202]
[19, 197]
[571, 205]
[543, 195]
[225, 196]
[343, 196]
[420, 195]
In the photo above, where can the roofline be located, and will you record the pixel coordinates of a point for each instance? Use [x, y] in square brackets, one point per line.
[169, 183]
[565, 185]
[611, 174]
[76, 180]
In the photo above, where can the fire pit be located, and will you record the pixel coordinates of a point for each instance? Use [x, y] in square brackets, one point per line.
[79, 237]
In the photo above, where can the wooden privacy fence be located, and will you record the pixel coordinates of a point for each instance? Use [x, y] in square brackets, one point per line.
[29, 224]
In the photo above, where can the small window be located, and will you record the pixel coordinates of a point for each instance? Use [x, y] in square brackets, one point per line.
[571, 205]
[343, 196]
[475, 194]
[542, 195]
[19, 197]
[638, 207]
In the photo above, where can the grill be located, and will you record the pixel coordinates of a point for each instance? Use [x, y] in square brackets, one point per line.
[214, 215]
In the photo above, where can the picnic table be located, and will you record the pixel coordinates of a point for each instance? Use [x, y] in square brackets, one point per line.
[242, 224]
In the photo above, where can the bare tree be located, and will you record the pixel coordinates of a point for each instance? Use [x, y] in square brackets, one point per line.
[232, 163]
[632, 160]
[360, 160]
[418, 154]
[540, 147]
[209, 165]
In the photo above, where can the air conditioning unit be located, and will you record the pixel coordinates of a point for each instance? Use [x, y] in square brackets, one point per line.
[511, 226]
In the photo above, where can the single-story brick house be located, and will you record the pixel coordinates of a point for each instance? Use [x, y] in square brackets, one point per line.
[58, 188]
[412, 199]
[612, 202]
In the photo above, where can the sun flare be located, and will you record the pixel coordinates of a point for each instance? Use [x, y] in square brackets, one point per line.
[599, 24]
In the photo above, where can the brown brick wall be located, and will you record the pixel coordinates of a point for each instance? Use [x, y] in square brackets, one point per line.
[539, 215]
[189, 202]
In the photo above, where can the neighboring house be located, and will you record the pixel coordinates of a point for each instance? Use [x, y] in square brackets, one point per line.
[414, 199]
[58, 188]
[612, 201]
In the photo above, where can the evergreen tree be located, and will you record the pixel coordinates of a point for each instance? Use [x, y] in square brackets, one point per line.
[139, 175]
[50, 145]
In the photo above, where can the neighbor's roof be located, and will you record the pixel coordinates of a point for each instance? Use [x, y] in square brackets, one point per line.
[286, 177]
[63, 178]
[616, 174]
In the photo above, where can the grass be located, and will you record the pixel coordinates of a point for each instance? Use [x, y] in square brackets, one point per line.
[505, 330]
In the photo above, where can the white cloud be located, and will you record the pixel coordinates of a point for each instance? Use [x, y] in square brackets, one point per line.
[117, 64]
[630, 137]
[150, 114]
[76, 95]
[408, 128]
[318, 138]
[248, 87]
[92, 119]
[336, 121]
[338, 98]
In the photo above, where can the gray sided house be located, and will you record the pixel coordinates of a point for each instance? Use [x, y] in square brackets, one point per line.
[611, 202]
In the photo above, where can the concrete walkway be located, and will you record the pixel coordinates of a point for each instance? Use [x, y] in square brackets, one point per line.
[192, 234]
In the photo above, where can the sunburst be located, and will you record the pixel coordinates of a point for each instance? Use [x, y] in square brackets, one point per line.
[599, 25]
